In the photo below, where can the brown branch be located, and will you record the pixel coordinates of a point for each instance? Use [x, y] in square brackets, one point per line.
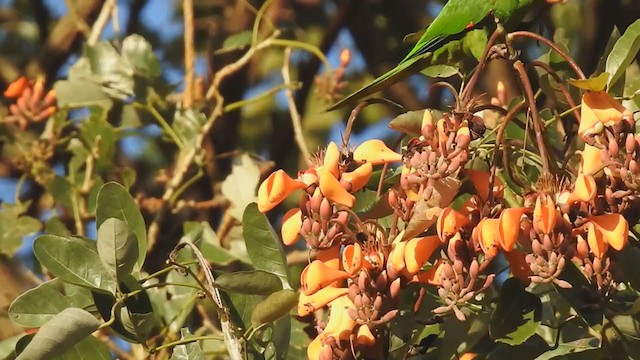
[296, 120]
[189, 53]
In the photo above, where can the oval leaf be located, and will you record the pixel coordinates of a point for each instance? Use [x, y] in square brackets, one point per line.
[190, 351]
[65, 330]
[623, 53]
[114, 201]
[74, 260]
[263, 245]
[598, 83]
[117, 247]
[256, 282]
[41, 304]
[274, 307]
[517, 315]
[440, 71]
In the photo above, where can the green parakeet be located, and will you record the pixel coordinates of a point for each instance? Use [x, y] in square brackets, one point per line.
[455, 20]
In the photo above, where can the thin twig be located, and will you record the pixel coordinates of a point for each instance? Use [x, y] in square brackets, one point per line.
[550, 44]
[468, 89]
[563, 89]
[537, 124]
[295, 115]
[101, 22]
[189, 53]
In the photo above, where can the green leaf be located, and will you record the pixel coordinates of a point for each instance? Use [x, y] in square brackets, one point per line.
[138, 53]
[89, 348]
[14, 226]
[274, 307]
[240, 39]
[137, 314]
[517, 315]
[440, 71]
[100, 136]
[7, 346]
[114, 201]
[104, 303]
[623, 53]
[37, 306]
[598, 83]
[111, 70]
[409, 122]
[263, 245]
[253, 282]
[80, 93]
[628, 260]
[187, 124]
[63, 331]
[239, 187]
[190, 351]
[73, 260]
[366, 200]
[117, 247]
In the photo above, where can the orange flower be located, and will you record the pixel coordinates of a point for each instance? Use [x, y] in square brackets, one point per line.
[591, 160]
[611, 228]
[275, 189]
[340, 324]
[16, 88]
[291, 224]
[431, 276]
[330, 257]
[318, 275]
[488, 236]
[480, 181]
[585, 189]
[358, 178]
[509, 227]
[376, 152]
[596, 241]
[333, 190]
[352, 258]
[598, 110]
[396, 257]
[418, 251]
[332, 159]
[544, 214]
[449, 223]
[310, 303]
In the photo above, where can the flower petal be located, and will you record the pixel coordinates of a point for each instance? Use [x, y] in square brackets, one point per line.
[364, 336]
[595, 239]
[599, 107]
[275, 189]
[487, 235]
[449, 222]
[418, 251]
[291, 224]
[591, 160]
[315, 348]
[318, 275]
[396, 257]
[330, 256]
[376, 152]
[509, 227]
[352, 258]
[614, 229]
[16, 88]
[585, 189]
[431, 276]
[340, 324]
[332, 159]
[544, 214]
[333, 190]
[310, 303]
[480, 181]
[357, 178]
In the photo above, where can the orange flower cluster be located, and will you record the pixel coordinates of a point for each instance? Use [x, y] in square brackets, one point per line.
[360, 266]
[32, 104]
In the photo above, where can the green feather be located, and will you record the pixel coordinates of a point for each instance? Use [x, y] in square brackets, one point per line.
[454, 21]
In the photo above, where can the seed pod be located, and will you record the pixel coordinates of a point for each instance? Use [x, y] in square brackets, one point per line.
[547, 243]
[353, 313]
[389, 316]
[597, 265]
[382, 281]
[613, 147]
[316, 228]
[363, 280]
[326, 210]
[357, 301]
[458, 267]
[442, 293]
[353, 291]
[537, 247]
[377, 303]
[394, 289]
[474, 269]
[630, 144]
[392, 198]
[633, 166]
[433, 158]
[316, 202]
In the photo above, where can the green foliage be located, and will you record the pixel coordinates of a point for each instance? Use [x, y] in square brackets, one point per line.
[517, 314]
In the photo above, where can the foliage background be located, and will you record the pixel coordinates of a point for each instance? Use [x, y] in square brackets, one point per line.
[45, 38]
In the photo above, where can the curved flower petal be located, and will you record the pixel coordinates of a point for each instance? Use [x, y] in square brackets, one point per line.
[333, 190]
[544, 214]
[449, 222]
[310, 303]
[480, 181]
[519, 266]
[330, 256]
[365, 336]
[352, 258]
[418, 251]
[308, 176]
[509, 227]
[275, 189]
[340, 324]
[614, 229]
[431, 276]
[396, 257]
[595, 239]
[591, 160]
[598, 107]
[315, 348]
[376, 152]
[487, 235]
[585, 189]
[357, 178]
[318, 275]
[291, 224]
[332, 159]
